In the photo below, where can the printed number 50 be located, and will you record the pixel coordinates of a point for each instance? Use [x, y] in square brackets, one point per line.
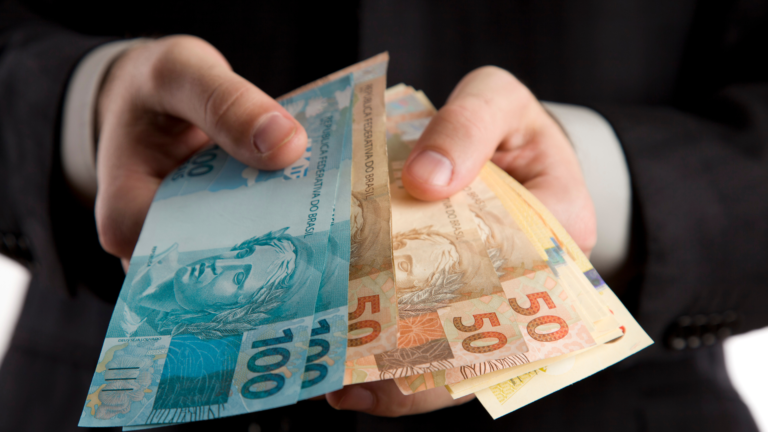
[533, 309]
[373, 325]
[501, 340]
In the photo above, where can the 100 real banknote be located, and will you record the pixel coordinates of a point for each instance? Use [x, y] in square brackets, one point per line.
[216, 314]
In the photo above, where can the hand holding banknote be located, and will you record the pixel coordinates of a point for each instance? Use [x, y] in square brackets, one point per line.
[161, 102]
[489, 116]
[492, 116]
[413, 305]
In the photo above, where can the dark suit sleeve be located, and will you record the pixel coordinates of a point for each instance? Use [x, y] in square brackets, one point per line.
[700, 184]
[59, 333]
[699, 167]
[42, 225]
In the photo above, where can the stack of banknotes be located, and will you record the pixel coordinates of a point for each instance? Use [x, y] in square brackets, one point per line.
[250, 290]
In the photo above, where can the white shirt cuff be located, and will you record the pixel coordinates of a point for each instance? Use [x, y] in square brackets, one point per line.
[607, 176]
[78, 126]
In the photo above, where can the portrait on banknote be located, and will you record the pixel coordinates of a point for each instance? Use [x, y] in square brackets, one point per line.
[430, 267]
[213, 293]
[508, 247]
[367, 225]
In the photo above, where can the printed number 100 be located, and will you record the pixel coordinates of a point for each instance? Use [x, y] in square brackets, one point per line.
[279, 380]
[266, 369]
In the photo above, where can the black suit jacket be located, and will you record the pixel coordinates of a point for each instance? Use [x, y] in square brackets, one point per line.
[682, 83]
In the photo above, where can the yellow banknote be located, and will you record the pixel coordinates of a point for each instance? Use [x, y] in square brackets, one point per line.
[499, 400]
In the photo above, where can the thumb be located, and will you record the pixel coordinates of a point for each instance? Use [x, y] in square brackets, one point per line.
[194, 82]
[486, 109]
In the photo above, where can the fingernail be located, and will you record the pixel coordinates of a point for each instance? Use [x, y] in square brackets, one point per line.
[273, 131]
[357, 399]
[431, 167]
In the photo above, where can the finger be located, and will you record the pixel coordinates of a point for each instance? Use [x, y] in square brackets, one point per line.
[164, 101]
[133, 159]
[121, 207]
[383, 398]
[317, 398]
[488, 108]
[491, 115]
[191, 80]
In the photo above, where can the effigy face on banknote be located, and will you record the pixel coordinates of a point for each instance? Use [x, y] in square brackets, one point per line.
[215, 316]
[215, 292]
[508, 247]
[451, 306]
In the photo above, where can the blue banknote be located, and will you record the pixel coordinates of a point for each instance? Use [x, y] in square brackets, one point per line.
[217, 311]
[325, 363]
[324, 370]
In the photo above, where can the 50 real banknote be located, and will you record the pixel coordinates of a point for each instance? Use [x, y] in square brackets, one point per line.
[531, 274]
[512, 256]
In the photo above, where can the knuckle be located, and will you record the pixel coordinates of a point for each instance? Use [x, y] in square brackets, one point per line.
[174, 57]
[117, 224]
[164, 70]
[182, 45]
[219, 100]
[505, 83]
[398, 406]
[491, 69]
[497, 73]
[109, 236]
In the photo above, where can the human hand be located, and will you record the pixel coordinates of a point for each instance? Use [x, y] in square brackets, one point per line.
[492, 115]
[383, 398]
[489, 116]
[161, 102]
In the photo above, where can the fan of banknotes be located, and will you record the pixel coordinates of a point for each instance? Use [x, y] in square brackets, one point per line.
[250, 290]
